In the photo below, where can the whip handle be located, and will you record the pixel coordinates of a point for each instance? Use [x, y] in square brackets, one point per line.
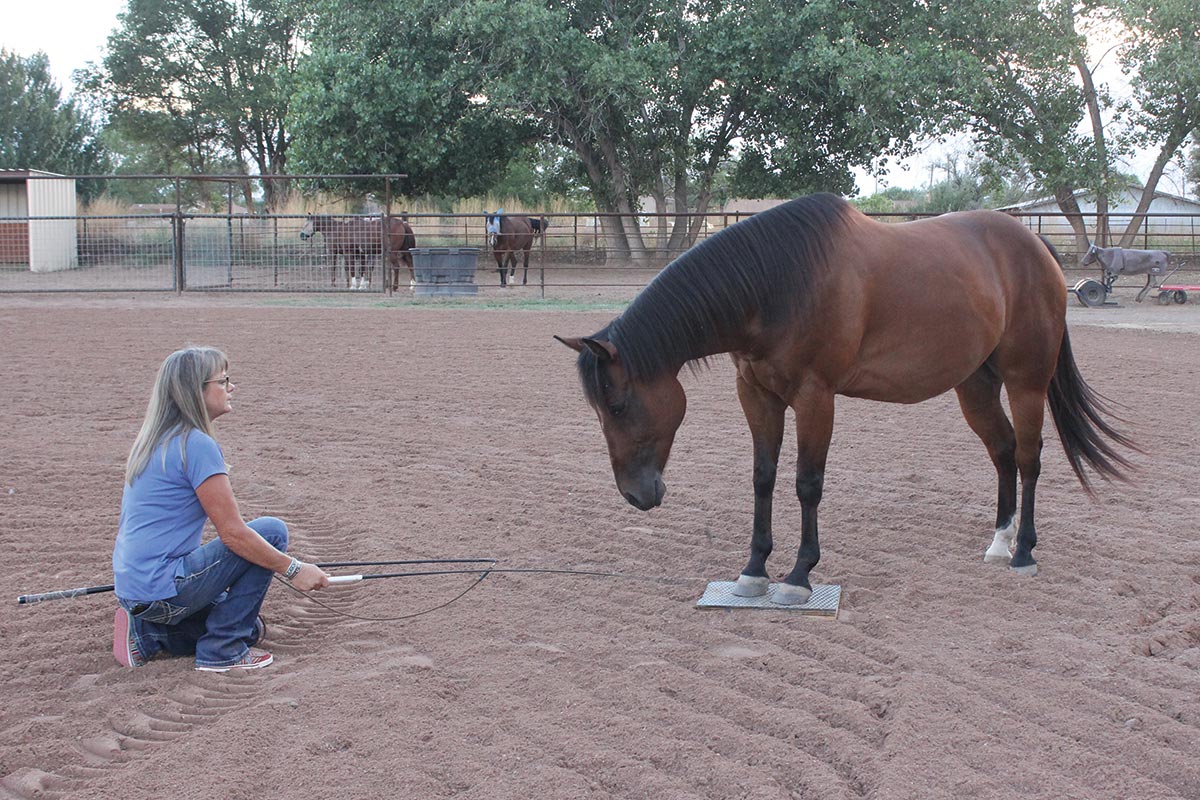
[64, 594]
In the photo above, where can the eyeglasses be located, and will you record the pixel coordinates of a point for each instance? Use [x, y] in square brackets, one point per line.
[226, 381]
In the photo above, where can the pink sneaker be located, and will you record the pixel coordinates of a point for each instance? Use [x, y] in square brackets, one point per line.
[125, 649]
[254, 659]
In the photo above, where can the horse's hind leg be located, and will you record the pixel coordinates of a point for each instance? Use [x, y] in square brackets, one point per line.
[525, 277]
[979, 398]
[764, 414]
[1028, 410]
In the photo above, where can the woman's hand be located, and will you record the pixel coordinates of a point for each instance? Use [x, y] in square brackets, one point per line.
[310, 577]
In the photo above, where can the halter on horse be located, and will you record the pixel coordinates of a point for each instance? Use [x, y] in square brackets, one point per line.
[508, 235]
[813, 299]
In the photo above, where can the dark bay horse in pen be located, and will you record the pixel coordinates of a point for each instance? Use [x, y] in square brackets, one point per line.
[813, 299]
[508, 235]
[358, 242]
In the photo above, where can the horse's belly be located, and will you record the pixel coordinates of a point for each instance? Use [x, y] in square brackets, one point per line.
[911, 375]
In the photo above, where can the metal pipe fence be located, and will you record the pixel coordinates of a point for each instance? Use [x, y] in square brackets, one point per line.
[578, 255]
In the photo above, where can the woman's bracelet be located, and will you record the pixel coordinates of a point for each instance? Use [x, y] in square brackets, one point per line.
[293, 568]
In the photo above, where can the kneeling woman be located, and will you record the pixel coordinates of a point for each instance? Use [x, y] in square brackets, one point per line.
[177, 595]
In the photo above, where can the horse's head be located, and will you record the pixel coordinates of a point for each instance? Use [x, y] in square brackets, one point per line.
[308, 229]
[638, 418]
[1090, 256]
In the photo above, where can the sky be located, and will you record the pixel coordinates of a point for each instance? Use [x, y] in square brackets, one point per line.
[74, 32]
[70, 32]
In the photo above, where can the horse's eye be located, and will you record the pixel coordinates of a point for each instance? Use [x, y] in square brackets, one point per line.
[616, 411]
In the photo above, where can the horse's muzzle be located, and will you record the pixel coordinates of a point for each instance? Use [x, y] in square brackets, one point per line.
[648, 496]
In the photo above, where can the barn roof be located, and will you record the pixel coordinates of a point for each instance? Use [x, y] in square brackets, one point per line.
[17, 175]
[1086, 194]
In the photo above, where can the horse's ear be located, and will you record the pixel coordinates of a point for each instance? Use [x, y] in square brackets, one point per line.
[573, 342]
[605, 351]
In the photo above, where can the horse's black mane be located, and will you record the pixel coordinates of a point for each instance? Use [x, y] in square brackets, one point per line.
[759, 270]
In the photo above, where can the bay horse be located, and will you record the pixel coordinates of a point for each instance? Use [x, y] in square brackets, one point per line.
[359, 242]
[813, 299]
[339, 242]
[401, 240]
[509, 234]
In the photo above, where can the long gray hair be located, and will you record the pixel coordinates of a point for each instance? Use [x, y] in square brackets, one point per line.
[176, 405]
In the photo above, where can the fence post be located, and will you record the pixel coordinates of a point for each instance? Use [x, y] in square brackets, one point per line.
[229, 229]
[385, 230]
[177, 241]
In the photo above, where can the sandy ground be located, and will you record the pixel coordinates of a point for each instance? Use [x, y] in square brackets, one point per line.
[400, 431]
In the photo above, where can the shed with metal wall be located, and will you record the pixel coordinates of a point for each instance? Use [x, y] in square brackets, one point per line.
[37, 220]
[1168, 214]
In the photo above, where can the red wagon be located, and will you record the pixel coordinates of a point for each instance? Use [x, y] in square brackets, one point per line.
[1175, 292]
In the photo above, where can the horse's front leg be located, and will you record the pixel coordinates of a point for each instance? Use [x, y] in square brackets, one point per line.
[814, 429]
[764, 413]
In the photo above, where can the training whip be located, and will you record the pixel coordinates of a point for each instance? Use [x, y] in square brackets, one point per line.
[66, 594]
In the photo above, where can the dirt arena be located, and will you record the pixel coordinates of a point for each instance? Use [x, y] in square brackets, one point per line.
[383, 430]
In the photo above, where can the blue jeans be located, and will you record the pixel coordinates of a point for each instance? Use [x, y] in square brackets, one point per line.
[218, 598]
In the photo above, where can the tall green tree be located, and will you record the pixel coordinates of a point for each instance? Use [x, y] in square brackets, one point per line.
[39, 129]
[1163, 58]
[655, 96]
[205, 79]
[1019, 80]
[386, 90]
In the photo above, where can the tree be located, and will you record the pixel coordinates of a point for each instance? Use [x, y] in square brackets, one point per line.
[1163, 57]
[384, 90]
[653, 96]
[1019, 80]
[39, 130]
[207, 79]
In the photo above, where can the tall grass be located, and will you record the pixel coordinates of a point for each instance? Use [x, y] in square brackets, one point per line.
[103, 206]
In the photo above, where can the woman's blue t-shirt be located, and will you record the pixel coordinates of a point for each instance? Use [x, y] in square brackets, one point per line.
[161, 516]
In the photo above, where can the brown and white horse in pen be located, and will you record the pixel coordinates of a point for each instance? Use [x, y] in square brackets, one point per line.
[358, 242]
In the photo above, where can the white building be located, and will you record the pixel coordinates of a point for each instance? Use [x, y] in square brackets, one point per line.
[37, 220]
[1168, 217]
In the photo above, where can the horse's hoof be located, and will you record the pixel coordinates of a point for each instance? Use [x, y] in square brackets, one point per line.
[748, 586]
[997, 555]
[787, 595]
[1027, 571]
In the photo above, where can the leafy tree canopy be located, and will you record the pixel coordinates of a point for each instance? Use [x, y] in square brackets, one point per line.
[205, 82]
[39, 130]
[385, 91]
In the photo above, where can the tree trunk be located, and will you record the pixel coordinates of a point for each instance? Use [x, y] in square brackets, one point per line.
[1065, 197]
[1093, 107]
[1170, 147]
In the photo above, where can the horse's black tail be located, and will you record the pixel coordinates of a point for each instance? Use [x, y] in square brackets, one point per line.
[1078, 415]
